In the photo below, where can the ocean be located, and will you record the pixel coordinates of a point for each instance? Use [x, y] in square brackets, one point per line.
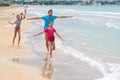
[92, 36]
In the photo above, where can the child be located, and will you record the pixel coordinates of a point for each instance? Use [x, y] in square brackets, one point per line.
[17, 28]
[50, 37]
[25, 10]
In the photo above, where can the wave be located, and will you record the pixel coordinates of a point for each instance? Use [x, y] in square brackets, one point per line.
[98, 12]
[111, 71]
[73, 11]
[93, 13]
[109, 25]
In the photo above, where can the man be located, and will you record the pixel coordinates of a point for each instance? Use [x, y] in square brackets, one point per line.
[48, 18]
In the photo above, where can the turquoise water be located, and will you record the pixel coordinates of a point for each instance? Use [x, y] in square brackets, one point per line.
[92, 35]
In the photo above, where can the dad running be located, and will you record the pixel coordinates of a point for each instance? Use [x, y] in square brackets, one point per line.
[47, 19]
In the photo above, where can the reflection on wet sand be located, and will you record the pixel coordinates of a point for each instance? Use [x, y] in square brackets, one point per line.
[47, 69]
[16, 60]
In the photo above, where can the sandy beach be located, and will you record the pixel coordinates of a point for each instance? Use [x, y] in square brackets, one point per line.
[11, 70]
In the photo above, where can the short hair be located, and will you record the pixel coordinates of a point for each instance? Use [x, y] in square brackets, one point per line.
[50, 10]
[51, 22]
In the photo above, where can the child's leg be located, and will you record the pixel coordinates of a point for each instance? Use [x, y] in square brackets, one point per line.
[46, 41]
[15, 33]
[53, 45]
[50, 45]
[19, 34]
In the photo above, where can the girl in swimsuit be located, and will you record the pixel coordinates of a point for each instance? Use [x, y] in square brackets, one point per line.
[17, 27]
[50, 37]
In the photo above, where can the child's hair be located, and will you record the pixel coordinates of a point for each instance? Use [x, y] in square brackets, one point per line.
[17, 15]
[51, 22]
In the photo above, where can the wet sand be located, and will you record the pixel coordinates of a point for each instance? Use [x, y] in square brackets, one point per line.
[62, 67]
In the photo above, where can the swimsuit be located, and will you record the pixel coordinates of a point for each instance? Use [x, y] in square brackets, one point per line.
[17, 28]
[18, 22]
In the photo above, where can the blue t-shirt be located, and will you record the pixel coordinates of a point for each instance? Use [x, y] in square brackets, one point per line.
[47, 20]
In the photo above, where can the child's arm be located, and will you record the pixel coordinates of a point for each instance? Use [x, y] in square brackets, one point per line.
[11, 23]
[38, 33]
[23, 16]
[35, 18]
[59, 36]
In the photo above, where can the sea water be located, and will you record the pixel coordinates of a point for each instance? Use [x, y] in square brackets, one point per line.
[92, 35]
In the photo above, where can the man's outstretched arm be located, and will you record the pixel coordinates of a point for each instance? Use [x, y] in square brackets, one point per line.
[64, 16]
[35, 18]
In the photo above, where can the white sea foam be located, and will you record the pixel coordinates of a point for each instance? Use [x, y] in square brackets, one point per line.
[93, 13]
[109, 25]
[107, 22]
[98, 12]
[90, 12]
[110, 71]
